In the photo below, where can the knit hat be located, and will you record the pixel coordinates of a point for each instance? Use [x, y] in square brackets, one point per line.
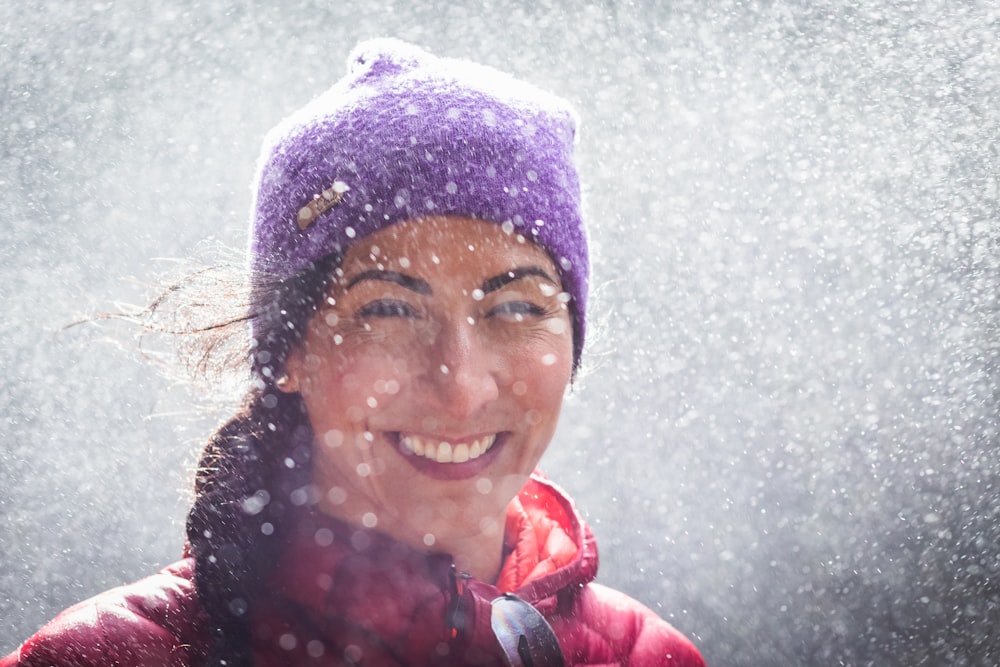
[407, 135]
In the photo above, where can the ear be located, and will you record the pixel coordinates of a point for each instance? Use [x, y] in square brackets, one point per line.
[289, 381]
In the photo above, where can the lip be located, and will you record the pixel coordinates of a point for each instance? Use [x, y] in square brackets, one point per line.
[451, 471]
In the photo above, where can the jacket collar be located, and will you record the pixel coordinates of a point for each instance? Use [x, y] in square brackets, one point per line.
[338, 586]
[550, 548]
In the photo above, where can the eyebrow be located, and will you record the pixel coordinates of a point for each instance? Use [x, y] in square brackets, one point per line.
[422, 287]
[409, 282]
[496, 282]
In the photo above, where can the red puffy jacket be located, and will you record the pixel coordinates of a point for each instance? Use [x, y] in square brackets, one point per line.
[337, 585]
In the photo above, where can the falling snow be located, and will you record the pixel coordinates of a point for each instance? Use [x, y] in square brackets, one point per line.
[786, 432]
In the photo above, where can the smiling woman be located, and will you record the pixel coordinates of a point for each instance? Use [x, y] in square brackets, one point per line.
[434, 379]
[419, 278]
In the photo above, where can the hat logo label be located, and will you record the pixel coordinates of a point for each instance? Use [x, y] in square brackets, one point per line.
[321, 203]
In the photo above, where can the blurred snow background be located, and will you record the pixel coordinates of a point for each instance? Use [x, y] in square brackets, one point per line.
[786, 437]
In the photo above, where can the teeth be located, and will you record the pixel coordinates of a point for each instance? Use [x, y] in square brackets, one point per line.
[446, 452]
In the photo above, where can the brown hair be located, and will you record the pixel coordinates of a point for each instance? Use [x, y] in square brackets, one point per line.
[255, 467]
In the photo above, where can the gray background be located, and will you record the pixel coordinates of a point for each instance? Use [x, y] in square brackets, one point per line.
[786, 437]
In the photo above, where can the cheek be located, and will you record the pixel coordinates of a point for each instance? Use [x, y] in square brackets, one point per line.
[355, 383]
[539, 382]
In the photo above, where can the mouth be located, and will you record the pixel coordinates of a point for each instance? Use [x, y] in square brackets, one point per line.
[442, 451]
[455, 459]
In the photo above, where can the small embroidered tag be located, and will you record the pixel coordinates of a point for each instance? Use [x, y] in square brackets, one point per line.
[321, 203]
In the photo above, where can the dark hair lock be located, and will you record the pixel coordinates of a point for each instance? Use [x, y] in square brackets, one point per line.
[252, 466]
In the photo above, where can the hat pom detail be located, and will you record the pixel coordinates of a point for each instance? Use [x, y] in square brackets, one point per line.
[383, 56]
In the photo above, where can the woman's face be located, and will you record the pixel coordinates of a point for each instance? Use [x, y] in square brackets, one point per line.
[433, 376]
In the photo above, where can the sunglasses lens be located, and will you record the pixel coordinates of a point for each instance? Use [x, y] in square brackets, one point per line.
[525, 635]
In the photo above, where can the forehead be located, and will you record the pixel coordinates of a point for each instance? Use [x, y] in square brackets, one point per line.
[445, 244]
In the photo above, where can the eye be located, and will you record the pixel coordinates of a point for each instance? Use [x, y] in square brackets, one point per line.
[516, 310]
[387, 308]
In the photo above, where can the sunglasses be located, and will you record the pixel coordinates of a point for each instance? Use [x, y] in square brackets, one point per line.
[526, 638]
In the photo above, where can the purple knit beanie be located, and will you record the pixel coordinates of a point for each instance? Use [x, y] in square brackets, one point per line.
[406, 135]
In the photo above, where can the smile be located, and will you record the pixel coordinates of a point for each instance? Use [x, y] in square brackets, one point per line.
[441, 451]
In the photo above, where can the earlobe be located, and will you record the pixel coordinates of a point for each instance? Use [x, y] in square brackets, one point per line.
[288, 381]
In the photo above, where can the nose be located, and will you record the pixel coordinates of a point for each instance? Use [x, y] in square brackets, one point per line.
[462, 371]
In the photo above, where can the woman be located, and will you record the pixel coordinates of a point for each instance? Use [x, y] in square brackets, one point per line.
[419, 274]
